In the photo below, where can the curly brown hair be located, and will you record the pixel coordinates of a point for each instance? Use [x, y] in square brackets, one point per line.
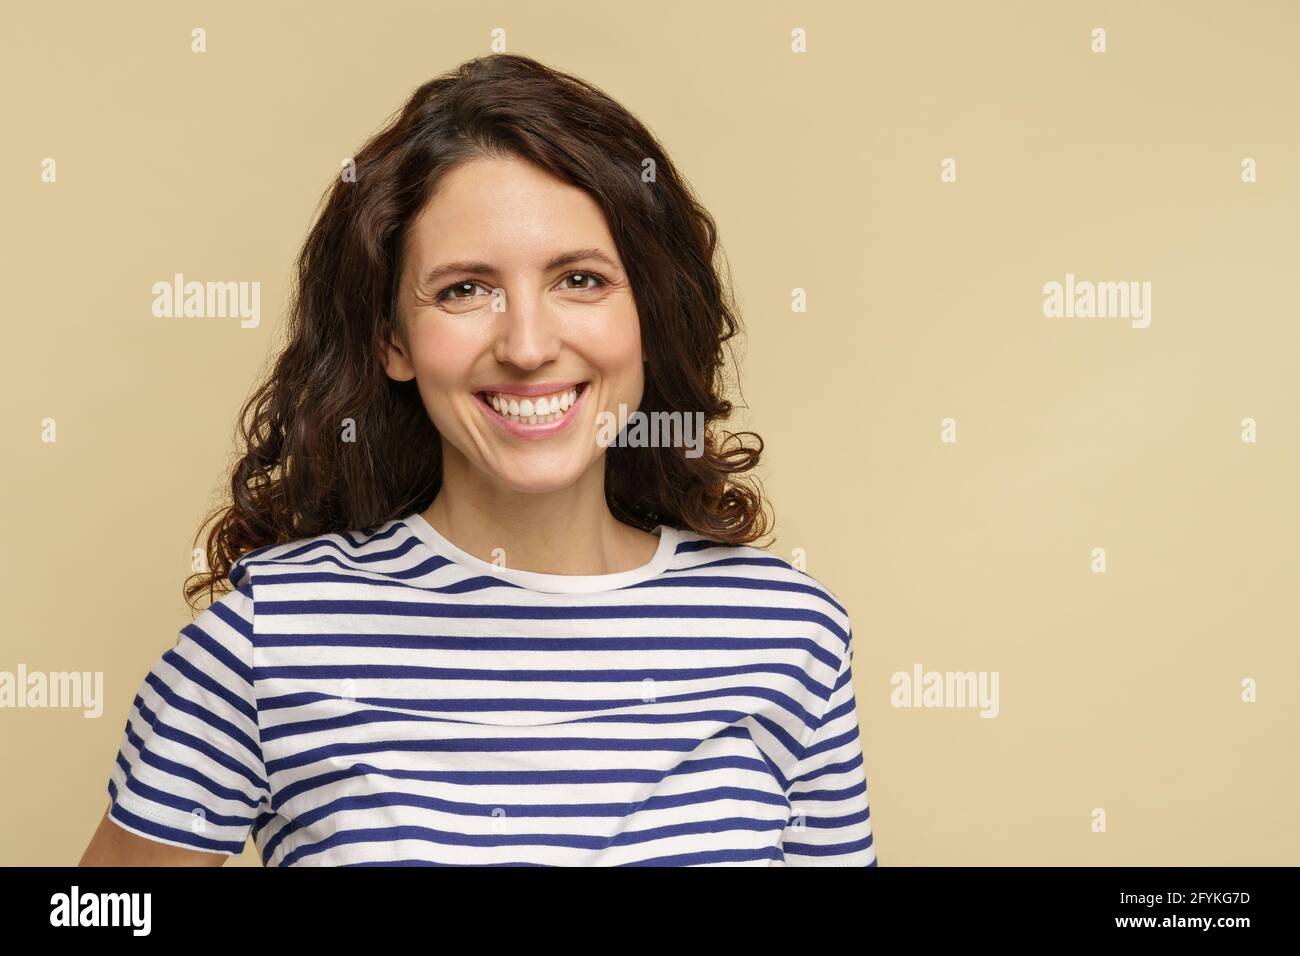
[297, 479]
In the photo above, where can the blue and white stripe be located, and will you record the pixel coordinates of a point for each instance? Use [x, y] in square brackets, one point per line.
[387, 699]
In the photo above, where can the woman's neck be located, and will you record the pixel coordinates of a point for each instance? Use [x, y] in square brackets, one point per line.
[567, 531]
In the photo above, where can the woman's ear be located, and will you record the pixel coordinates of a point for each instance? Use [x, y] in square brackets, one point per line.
[396, 358]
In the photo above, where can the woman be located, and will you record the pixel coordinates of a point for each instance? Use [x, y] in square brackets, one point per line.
[465, 627]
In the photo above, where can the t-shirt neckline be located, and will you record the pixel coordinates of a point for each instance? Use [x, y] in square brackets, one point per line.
[550, 583]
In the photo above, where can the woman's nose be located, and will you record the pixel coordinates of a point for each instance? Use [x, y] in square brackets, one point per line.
[528, 333]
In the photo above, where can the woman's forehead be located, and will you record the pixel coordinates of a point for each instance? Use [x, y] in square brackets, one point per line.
[508, 217]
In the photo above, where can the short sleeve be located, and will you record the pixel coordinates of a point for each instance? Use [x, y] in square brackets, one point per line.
[189, 771]
[830, 820]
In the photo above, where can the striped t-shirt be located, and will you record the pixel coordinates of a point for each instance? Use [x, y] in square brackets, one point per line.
[390, 699]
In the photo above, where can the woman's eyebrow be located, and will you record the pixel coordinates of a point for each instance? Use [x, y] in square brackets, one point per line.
[556, 262]
[567, 258]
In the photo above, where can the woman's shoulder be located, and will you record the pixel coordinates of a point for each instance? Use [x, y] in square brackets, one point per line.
[345, 550]
[760, 569]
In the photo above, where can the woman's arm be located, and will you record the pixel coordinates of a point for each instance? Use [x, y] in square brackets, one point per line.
[188, 782]
[113, 845]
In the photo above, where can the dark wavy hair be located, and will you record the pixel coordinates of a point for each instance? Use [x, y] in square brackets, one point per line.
[296, 478]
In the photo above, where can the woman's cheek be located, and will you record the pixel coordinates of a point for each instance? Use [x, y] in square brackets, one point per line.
[612, 338]
[439, 376]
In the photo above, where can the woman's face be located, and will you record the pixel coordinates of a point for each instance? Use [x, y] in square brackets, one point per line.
[514, 300]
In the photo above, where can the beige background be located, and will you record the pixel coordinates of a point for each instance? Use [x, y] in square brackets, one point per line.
[1118, 691]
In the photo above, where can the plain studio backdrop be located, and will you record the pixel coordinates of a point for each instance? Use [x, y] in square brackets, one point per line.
[921, 172]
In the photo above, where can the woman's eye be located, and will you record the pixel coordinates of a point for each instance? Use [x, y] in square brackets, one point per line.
[589, 276]
[459, 287]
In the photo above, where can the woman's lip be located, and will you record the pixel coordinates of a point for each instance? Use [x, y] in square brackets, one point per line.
[530, 391]
[524, 430]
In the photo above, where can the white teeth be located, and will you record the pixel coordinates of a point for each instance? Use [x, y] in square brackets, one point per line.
[538, 411]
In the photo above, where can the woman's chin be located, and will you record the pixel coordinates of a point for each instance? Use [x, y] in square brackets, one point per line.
[537, 477]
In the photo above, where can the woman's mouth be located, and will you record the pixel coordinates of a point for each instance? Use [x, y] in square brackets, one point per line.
[532, 416]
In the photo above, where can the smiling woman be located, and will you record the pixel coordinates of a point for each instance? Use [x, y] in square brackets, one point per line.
[515, 238]
[478, 633]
